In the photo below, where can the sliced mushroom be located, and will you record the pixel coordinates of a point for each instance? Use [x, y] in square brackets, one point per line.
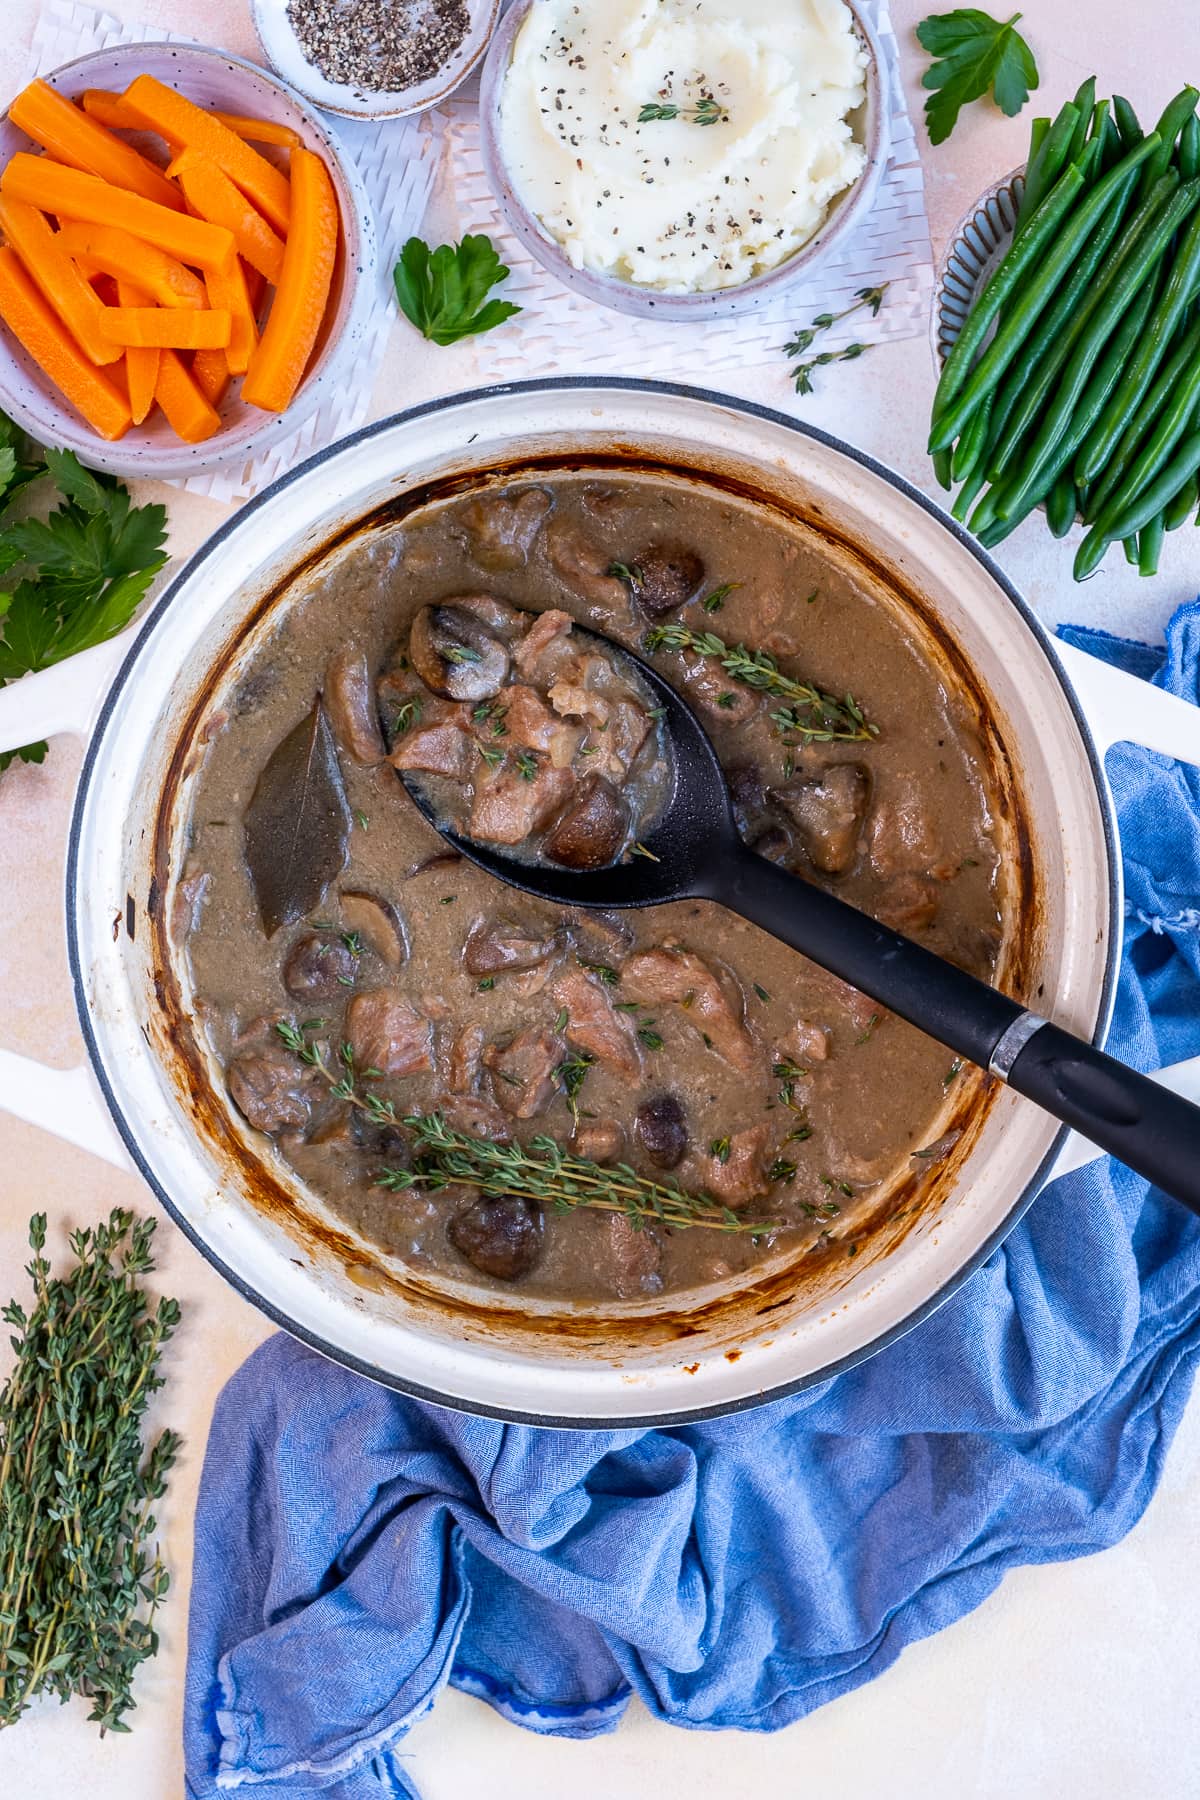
[496, 943]
[319, 968]
[598, 1140]
[660, 1127]
[456, 655]
[501, 1238]
[590, 833]
[665, 576]
[351, 706]
[378, 923]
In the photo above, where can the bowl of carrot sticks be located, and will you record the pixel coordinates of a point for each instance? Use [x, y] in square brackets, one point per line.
[186, 262]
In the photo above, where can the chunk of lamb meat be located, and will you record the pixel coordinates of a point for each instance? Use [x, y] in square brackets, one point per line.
[828, 809]
[502, 527]
[351, 707]
[742, 1177]
[523, 1071]
[900, 837]
[634, 1258]
[908, 903]
[465, 1068]
[670, 973]
[598, 1140]
[622, 726]
[582, 565]
[507, 808]
[807, 1042]
[722, 699]
[529, 724]
[268, 1089]
[386, 1032]
[589, 833]
[463, 1106]
[594, 1026]
[439, 743]
[497, 943]
[833, 994]
[500, 616]
[502, 1238]
[546, 649]
[319, 968]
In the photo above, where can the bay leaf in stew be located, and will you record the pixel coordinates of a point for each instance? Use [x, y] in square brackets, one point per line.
[297, 835]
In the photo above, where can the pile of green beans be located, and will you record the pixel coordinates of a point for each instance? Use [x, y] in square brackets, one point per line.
[1075, 381]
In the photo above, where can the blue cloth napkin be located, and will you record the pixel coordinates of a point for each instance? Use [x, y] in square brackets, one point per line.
[355, 1550]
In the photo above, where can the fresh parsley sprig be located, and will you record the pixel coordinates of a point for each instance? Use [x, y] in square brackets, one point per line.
[442, 292]
[82, 570]
[973, 52]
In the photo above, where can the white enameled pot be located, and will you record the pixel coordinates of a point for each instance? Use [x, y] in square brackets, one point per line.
[1050, 714]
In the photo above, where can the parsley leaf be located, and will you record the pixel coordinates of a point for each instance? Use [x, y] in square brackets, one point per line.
[442, 291]
[83, 570]
[976, 53]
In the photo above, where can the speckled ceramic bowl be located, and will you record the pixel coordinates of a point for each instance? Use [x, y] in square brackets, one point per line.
[282, 48]
[211, 78]
[870, 126]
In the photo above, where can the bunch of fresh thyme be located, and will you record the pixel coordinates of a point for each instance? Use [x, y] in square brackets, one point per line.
[803, 340]
[80, 1578]
[543, 1171]
[815, 716]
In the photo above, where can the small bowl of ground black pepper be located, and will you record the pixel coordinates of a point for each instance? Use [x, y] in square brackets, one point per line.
[375, 59]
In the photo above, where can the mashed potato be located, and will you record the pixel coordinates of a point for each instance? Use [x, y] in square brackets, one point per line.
[675, 204]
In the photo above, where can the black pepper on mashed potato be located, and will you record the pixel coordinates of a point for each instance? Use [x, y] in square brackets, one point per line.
[750, 143]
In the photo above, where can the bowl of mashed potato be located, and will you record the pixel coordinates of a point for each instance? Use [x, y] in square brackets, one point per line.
[683, 159]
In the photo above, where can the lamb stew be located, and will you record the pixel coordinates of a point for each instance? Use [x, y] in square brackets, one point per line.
[592, 1108]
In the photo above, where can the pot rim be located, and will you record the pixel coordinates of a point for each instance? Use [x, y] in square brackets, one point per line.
[515, 1415]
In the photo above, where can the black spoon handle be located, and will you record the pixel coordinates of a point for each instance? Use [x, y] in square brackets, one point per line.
[1133, 1118]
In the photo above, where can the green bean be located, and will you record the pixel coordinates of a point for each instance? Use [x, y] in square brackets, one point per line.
[966, 494]
[1060, 505]
[1102, 440]
[1174, 117]
[1179, 509]
[1126, 121]
[1189, 148]
[1020, 258]
[1083, 103]
[941, 468]
[1043, 173]
[1027, 383]
[1187, 350]
[971, 448]
[1111, 147]
[1130, 547]
[1150, 543]
[1185, 462]
[1037, 293]
[1037, 137]
[984, 515]
[1173, 422]
[1085, 390]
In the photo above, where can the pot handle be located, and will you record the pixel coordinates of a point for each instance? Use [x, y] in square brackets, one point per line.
[64, 698]
[1121, 708]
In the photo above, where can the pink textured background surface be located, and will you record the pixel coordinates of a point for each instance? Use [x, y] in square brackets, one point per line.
[1075, 1680]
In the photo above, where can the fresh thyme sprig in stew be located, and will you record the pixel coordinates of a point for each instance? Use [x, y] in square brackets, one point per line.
[816, 716]
[543, 1171]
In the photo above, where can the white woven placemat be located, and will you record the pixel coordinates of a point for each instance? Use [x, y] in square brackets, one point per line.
[559, 330]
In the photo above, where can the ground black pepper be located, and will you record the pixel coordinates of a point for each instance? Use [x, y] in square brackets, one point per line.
[383, 45]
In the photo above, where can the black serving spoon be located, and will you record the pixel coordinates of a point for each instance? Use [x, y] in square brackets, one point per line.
[696, 852]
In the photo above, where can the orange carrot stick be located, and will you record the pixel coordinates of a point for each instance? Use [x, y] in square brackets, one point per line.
[165, 327]
[141, 365]
[73, 195]
[228, 291]
[181, 121]
[211, 374]
[110, 109]
[67, 290]
[130, 258]
[277, 366]
[56, 353]
[211, 195]
[189, 414]
[71, 137]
